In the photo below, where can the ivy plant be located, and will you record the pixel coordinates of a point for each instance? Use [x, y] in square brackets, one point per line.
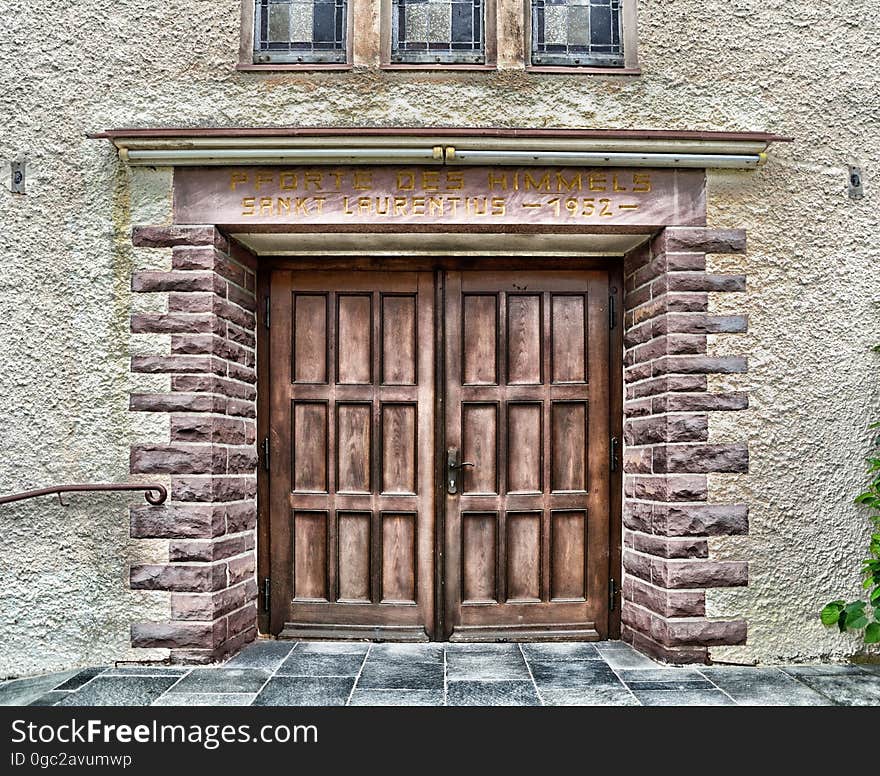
[864, 615]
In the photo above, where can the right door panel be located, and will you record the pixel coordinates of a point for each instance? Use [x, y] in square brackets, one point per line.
[526, 538]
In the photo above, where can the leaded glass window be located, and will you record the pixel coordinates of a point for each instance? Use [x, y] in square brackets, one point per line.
[430, 31]
[300, 31]
[577, 32]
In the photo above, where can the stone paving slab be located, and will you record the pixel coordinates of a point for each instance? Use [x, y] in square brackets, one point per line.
[396, 698]
[311, 664]
[486, 667]
[119, 691]
[305, 691]
[222, 680]
[22, 692]
[205, 699]
[324, 673]
[383, 675]
[763, 687]
[683, 697]
[498, 693]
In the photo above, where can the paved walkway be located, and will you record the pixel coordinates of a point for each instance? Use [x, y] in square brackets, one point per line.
[276, 673]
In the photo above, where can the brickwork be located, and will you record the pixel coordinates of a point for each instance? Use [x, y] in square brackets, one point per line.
[210, 454]
[667, 456]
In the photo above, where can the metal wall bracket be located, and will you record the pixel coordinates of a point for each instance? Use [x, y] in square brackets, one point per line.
[856, 184]
[17, 178]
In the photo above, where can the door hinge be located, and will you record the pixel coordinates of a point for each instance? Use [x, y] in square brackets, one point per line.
[266, 312]
[612, 312]
[612, 595]
[613, 453]
[267, 594]
[266, 454]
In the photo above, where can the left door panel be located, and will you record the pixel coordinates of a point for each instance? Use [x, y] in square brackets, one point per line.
[351, 454]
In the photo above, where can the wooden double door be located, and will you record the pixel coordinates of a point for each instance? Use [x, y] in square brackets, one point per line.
[439, 448]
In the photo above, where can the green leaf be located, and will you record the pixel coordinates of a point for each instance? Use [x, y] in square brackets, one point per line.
[856, 621]
[841, 622]
[872, 633]
[875, 595]
[855, 607]
[831, 613]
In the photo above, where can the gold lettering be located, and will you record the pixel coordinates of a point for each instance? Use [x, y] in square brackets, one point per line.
[554, 203]
[615, 186]
[606, 209]
[383, 211]
[287, 181]
[248, 205]
[575, 184]
[237, 178]
[479, 211]
[543, 184]
[499, 206]
[266, 206]
[642, 183]
[418, 206]
[454, 201]
[315, 177]
[399, 206]
[363, 180]
[345, 208]
[263, 177]
[455, 180]
[283, 204]
[363, 205]
[598, 181]
[496, 179]
[406, 181]
[435, 205]
[431, 180]
[302, 205]
[319, 201]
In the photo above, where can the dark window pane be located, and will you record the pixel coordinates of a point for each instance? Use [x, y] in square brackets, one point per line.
[462, 23]
[325, 22]
[600, 23]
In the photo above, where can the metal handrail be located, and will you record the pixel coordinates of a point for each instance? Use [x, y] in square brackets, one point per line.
[155, 494]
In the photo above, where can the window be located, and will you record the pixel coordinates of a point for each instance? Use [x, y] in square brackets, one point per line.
[542, 35]
[300, 31]
[432, 31]
[577, 32]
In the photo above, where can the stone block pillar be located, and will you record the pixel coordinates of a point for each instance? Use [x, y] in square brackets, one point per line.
[667, 513]
[209, 454]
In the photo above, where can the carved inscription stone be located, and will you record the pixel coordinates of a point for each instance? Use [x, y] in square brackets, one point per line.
[364, 196]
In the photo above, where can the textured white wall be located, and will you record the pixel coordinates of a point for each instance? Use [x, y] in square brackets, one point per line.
[798, 69]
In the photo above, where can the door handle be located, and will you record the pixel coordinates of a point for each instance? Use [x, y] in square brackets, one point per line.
[453, 470]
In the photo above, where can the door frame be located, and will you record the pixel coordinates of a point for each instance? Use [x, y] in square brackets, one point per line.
[439, 265]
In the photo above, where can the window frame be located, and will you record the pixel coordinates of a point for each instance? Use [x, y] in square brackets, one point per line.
[247, 54]
[628, 37]
[490, 43]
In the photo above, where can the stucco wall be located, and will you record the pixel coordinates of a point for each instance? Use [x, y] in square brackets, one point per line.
[803, 70]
